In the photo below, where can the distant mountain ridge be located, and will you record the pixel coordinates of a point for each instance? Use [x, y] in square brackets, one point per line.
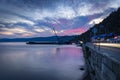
[50, 39]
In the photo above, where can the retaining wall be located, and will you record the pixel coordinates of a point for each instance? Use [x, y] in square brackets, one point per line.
[100, 66]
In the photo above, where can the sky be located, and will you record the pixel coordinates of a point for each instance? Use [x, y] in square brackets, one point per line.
[37, 18]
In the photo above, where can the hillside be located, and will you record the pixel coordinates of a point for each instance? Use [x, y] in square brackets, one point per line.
[109, 25]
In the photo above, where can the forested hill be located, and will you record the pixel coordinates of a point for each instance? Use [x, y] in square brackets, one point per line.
[110, 24]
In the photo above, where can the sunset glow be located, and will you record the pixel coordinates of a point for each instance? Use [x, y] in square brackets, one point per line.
[38, 18]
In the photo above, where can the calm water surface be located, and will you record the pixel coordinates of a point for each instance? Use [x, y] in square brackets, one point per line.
[19, 61]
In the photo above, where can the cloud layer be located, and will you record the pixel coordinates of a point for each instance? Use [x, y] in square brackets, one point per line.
[36, 18]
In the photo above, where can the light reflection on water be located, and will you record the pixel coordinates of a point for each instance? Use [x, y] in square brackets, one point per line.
[19, 61]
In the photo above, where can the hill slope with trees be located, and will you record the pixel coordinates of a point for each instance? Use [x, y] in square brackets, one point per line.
[109, 25]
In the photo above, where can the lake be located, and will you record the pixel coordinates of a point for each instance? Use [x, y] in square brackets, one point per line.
[19, 61]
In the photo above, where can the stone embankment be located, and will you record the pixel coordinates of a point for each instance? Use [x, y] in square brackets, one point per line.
[99, 65]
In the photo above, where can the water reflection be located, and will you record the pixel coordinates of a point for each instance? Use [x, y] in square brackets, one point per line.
[40, 62]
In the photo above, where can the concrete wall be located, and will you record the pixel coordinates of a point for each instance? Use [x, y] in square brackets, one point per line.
[101, 67]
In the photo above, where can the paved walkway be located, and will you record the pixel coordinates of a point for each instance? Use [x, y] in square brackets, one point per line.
[113, 52]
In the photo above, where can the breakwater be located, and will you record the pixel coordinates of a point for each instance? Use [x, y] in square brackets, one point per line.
[101, 66]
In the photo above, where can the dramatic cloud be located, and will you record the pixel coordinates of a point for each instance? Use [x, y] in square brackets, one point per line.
[36, 18]
[96, 21]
